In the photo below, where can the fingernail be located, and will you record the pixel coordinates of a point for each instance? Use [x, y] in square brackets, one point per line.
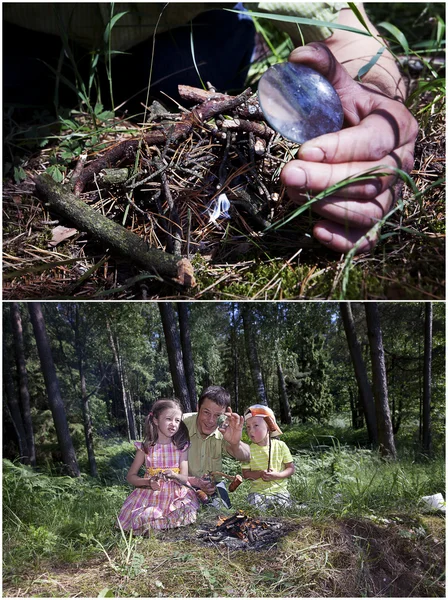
[295, 177]
[324, 236]
[312, 153]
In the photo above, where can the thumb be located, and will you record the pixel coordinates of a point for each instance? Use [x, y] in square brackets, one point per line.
[319, 57]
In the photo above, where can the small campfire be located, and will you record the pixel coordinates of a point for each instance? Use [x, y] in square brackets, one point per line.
[241, 531]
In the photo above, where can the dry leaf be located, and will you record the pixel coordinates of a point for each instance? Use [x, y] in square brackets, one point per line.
[60, 234]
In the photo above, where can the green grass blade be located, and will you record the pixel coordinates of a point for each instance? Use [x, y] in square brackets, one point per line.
[193, 56]
[358, 15]
[301, 21]
[398, 35]
[372, 62]
[111, 24]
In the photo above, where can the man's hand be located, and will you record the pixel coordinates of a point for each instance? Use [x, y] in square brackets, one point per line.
[377, 131]
[206, 486]
[233, 431]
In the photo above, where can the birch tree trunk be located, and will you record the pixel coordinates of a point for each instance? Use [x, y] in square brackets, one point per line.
[53, 391]
[383, 418]
[114, 348]
[252, 355]
[285, 410]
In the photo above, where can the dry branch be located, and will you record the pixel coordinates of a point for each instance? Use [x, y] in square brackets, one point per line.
[112, 234]
[127, 149]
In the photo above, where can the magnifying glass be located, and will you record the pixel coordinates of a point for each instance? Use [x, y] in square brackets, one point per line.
[299, 102]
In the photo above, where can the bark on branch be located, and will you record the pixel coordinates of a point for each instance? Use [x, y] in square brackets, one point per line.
[127, 149]
[112, 234]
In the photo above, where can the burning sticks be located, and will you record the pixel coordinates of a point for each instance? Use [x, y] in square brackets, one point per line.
[241, 531]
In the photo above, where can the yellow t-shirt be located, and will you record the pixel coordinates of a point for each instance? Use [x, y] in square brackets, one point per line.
[204, 454]
[259, 456]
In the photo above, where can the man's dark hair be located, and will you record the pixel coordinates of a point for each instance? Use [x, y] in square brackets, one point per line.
[216, 394]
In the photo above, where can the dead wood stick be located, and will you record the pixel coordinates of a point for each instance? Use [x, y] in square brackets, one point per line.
[250, 110]
[230, 477]
[112, 234]
[127, 149]
[260, 129]
[193, 94]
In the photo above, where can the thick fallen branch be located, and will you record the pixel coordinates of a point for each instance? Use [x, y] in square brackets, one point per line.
[112, 234]
[126, 150]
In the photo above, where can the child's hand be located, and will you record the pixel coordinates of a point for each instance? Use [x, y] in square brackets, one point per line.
[270, 475]
[154, 485]
[168, 474]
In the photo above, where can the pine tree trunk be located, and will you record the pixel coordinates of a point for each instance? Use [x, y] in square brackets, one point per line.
[379, 377]
[187, 354]
[252, 355]
[53, 391]
[235, 361]
[427, 380]
[17, 329]
[86, 417]
[12, 405]
[175, 358]
[359, 367]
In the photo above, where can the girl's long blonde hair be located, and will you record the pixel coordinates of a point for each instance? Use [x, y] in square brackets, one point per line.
[180, 439]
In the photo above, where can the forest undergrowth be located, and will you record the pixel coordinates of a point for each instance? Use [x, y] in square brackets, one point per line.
[249, 255]
[358, 528]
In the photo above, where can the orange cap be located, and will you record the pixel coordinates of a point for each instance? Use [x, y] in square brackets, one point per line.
[261, 410]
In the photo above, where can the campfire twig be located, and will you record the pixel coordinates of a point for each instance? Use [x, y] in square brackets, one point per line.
[127, 149]
[199, 493]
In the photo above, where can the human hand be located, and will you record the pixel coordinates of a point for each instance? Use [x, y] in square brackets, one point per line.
[206, 486]
[233, 430]
[168, 474]
[270, 475]
[154, 485]
[379, 131]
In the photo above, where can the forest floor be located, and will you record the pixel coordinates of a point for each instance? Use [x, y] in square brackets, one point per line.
[257, 253]
[398, 556]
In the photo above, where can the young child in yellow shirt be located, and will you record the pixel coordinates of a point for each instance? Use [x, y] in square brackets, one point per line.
[270, 459]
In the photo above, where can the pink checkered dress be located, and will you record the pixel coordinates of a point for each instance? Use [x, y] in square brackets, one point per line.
[171, 506]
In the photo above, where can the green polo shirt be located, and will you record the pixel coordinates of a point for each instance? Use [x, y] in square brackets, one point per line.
[85, 22]
[204, 454]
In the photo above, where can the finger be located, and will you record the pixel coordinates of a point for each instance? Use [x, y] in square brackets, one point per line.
[317, 177]
[375, 137]
[342, 239]
[319, 57]
[390, 121]
[352, 213]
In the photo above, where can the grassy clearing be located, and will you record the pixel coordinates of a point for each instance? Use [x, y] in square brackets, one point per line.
[237, 259]
[358, 529]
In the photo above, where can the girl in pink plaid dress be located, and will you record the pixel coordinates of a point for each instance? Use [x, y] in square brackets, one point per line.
[160, 501]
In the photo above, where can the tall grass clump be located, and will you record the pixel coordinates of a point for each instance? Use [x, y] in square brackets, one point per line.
[46, 516]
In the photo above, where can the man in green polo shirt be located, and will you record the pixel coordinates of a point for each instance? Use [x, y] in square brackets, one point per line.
[208, 441]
